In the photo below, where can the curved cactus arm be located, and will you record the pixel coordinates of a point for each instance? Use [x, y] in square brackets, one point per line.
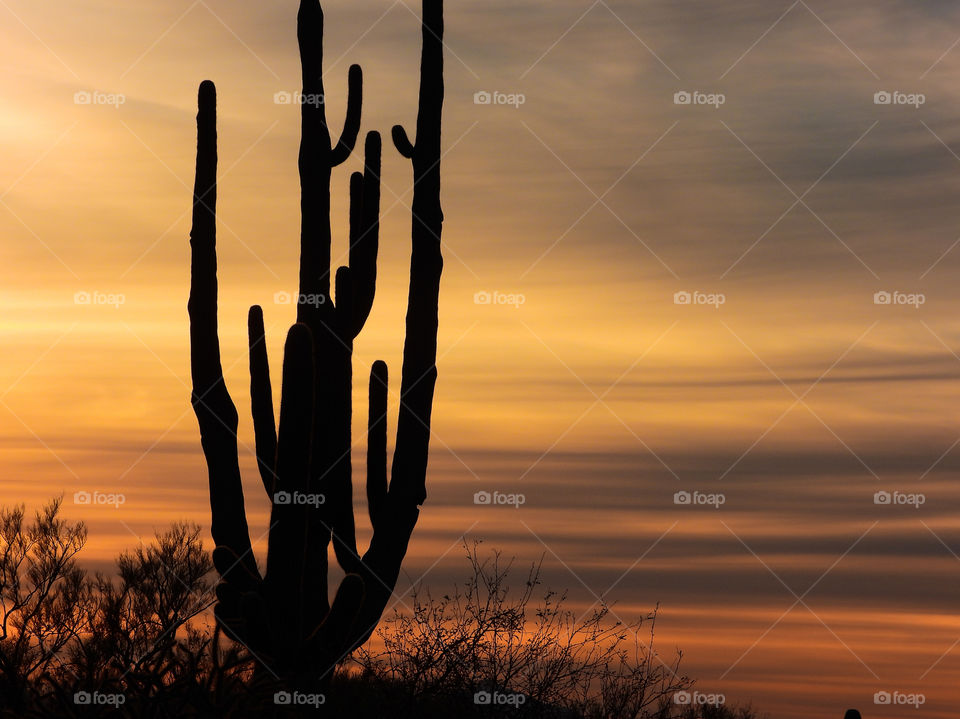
[261, 400]
[365, 231]
[351, 126]
[401, 141]
[215, 410]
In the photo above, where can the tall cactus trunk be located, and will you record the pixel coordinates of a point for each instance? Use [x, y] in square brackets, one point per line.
[285, 617]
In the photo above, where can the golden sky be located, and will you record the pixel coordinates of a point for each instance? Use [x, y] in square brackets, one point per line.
[595, 394]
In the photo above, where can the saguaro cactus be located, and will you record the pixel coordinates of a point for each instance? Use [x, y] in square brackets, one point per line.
[285, 616]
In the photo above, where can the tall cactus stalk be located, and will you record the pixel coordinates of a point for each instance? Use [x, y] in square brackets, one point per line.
[284, 616]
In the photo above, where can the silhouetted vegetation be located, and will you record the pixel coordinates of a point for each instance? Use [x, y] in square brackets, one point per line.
[76, 644]
[486, 641]
[142, 643]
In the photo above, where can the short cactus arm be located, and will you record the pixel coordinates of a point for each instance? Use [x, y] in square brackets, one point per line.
[401, 141]
[351, 126]
[215, 410]
[261, 400]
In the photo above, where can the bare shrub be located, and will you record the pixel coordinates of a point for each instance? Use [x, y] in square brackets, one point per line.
[482, 637]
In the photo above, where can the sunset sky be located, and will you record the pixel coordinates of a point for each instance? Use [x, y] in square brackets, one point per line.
[594, 393]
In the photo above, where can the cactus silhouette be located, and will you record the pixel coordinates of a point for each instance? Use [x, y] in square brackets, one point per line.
[285, 617]
[852, 714]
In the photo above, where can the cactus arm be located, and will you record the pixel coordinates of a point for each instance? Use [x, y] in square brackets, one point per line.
[215, 410]
[418, 375]
[377, 444]
[365, 232]
[356, 218]
[351, 126]
[261, 400]
[287, 549]
[401, 141]
[338, 484]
